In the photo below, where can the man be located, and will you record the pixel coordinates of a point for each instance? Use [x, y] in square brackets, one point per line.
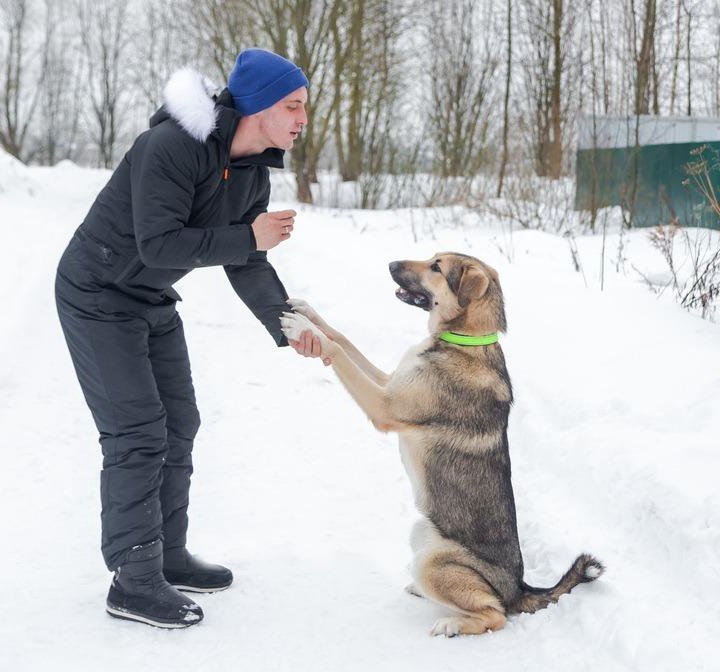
[192, 191]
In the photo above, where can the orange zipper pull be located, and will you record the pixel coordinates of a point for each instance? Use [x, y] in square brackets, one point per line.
[226, 173]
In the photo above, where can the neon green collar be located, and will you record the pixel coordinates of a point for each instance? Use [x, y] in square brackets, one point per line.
[462, 339]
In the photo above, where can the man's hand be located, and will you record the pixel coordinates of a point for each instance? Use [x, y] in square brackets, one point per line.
[272, 228]
[309, 346]
[304, 337]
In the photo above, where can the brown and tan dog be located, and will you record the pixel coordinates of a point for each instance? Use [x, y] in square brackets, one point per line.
[449, 403]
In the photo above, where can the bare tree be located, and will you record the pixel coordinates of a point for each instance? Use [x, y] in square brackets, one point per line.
[463, 70]
[555, 149]
[677, 39]
[220, 29]
[695, 55]
[60, 86]
[594, 98]
[299, 29]
[16, 109]
[644, 54]
[105, 35]
[506, 101]
[687, 10]
[159, 49]
[366, 81]
[348, 41]
[714, 20]
[549, 75]
[604, 39]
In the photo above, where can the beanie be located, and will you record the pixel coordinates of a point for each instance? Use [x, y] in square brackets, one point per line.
[260, 78]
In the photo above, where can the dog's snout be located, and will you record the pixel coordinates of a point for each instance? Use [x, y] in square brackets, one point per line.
[394, 266]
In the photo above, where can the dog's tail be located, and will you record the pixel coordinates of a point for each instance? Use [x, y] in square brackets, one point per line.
[585, 568]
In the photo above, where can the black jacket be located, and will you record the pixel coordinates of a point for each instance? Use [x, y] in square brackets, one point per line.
[177, 202]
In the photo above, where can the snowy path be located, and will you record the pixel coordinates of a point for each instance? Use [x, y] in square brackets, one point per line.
[614, 439]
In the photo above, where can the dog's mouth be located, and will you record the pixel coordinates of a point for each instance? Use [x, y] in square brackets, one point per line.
[420, 299]
[410, 290]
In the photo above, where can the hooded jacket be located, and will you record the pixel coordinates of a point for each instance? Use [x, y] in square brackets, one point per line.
[177, 202]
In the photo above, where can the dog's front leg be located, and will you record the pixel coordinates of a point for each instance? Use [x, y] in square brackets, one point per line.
[371, 397]
[372, 371]
[367, 393]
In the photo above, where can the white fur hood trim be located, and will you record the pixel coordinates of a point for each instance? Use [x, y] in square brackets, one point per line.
[187, 97]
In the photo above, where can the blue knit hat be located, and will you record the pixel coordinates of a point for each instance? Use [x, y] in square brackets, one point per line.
[260, 78]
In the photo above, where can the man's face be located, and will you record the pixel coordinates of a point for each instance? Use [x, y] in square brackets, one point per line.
[281, 124]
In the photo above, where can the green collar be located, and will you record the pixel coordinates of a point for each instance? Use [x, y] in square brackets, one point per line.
[462, 339]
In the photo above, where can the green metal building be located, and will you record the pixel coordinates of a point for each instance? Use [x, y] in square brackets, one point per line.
[642, 161]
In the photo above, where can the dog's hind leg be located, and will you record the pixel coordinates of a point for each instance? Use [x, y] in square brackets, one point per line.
[488, 619]
[450, 583]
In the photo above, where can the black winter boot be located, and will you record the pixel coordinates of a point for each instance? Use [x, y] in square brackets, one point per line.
[188, 572]
[139, 592]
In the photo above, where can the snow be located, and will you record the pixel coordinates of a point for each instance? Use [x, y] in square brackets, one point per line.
[15, 178]
[613, 436]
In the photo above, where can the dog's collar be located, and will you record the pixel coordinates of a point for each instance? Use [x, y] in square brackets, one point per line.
[462, 339]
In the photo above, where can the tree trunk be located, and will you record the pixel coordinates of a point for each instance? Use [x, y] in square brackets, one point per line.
[689, 60]
[300, 165]
[354, 149]
[506, 102]
[675, 62]
[555, 153]
[304, 195]
[644, 64]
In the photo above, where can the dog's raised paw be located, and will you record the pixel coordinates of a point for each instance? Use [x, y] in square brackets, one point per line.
[293, 324]
[304, 308]
[297, 304]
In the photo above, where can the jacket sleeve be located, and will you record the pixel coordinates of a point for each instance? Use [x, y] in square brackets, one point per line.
[163, 180]
[256, 281]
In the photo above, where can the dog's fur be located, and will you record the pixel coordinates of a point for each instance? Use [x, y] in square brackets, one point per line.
[450, 405]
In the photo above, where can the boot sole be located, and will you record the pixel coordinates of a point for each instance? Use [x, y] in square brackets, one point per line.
[125, 615]
[194, 589]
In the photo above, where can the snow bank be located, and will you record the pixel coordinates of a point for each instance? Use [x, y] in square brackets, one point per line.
[15, 177]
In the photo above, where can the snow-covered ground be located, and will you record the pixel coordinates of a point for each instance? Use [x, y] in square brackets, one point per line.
[614, 438]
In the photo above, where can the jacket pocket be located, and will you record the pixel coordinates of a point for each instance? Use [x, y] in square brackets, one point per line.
[97, 249]
[101, 260]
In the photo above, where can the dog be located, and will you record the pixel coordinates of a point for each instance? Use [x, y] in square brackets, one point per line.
[449, 401]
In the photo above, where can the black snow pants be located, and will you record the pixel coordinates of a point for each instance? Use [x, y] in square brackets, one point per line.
[134, 371]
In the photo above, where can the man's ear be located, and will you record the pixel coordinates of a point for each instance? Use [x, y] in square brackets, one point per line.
[473, 284]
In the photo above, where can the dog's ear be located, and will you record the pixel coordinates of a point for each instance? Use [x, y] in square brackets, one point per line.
[492, 272]
[472, 284]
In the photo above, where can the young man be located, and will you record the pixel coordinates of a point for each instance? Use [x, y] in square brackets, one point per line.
[192, 191]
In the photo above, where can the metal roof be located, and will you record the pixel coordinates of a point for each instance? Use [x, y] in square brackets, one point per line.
[619, 131]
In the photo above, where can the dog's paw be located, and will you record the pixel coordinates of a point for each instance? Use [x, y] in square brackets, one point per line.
[450, 627]
[293, 325]
[304, 308]
[486, 621]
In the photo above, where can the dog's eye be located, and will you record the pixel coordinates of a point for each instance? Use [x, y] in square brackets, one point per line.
[436, 267]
